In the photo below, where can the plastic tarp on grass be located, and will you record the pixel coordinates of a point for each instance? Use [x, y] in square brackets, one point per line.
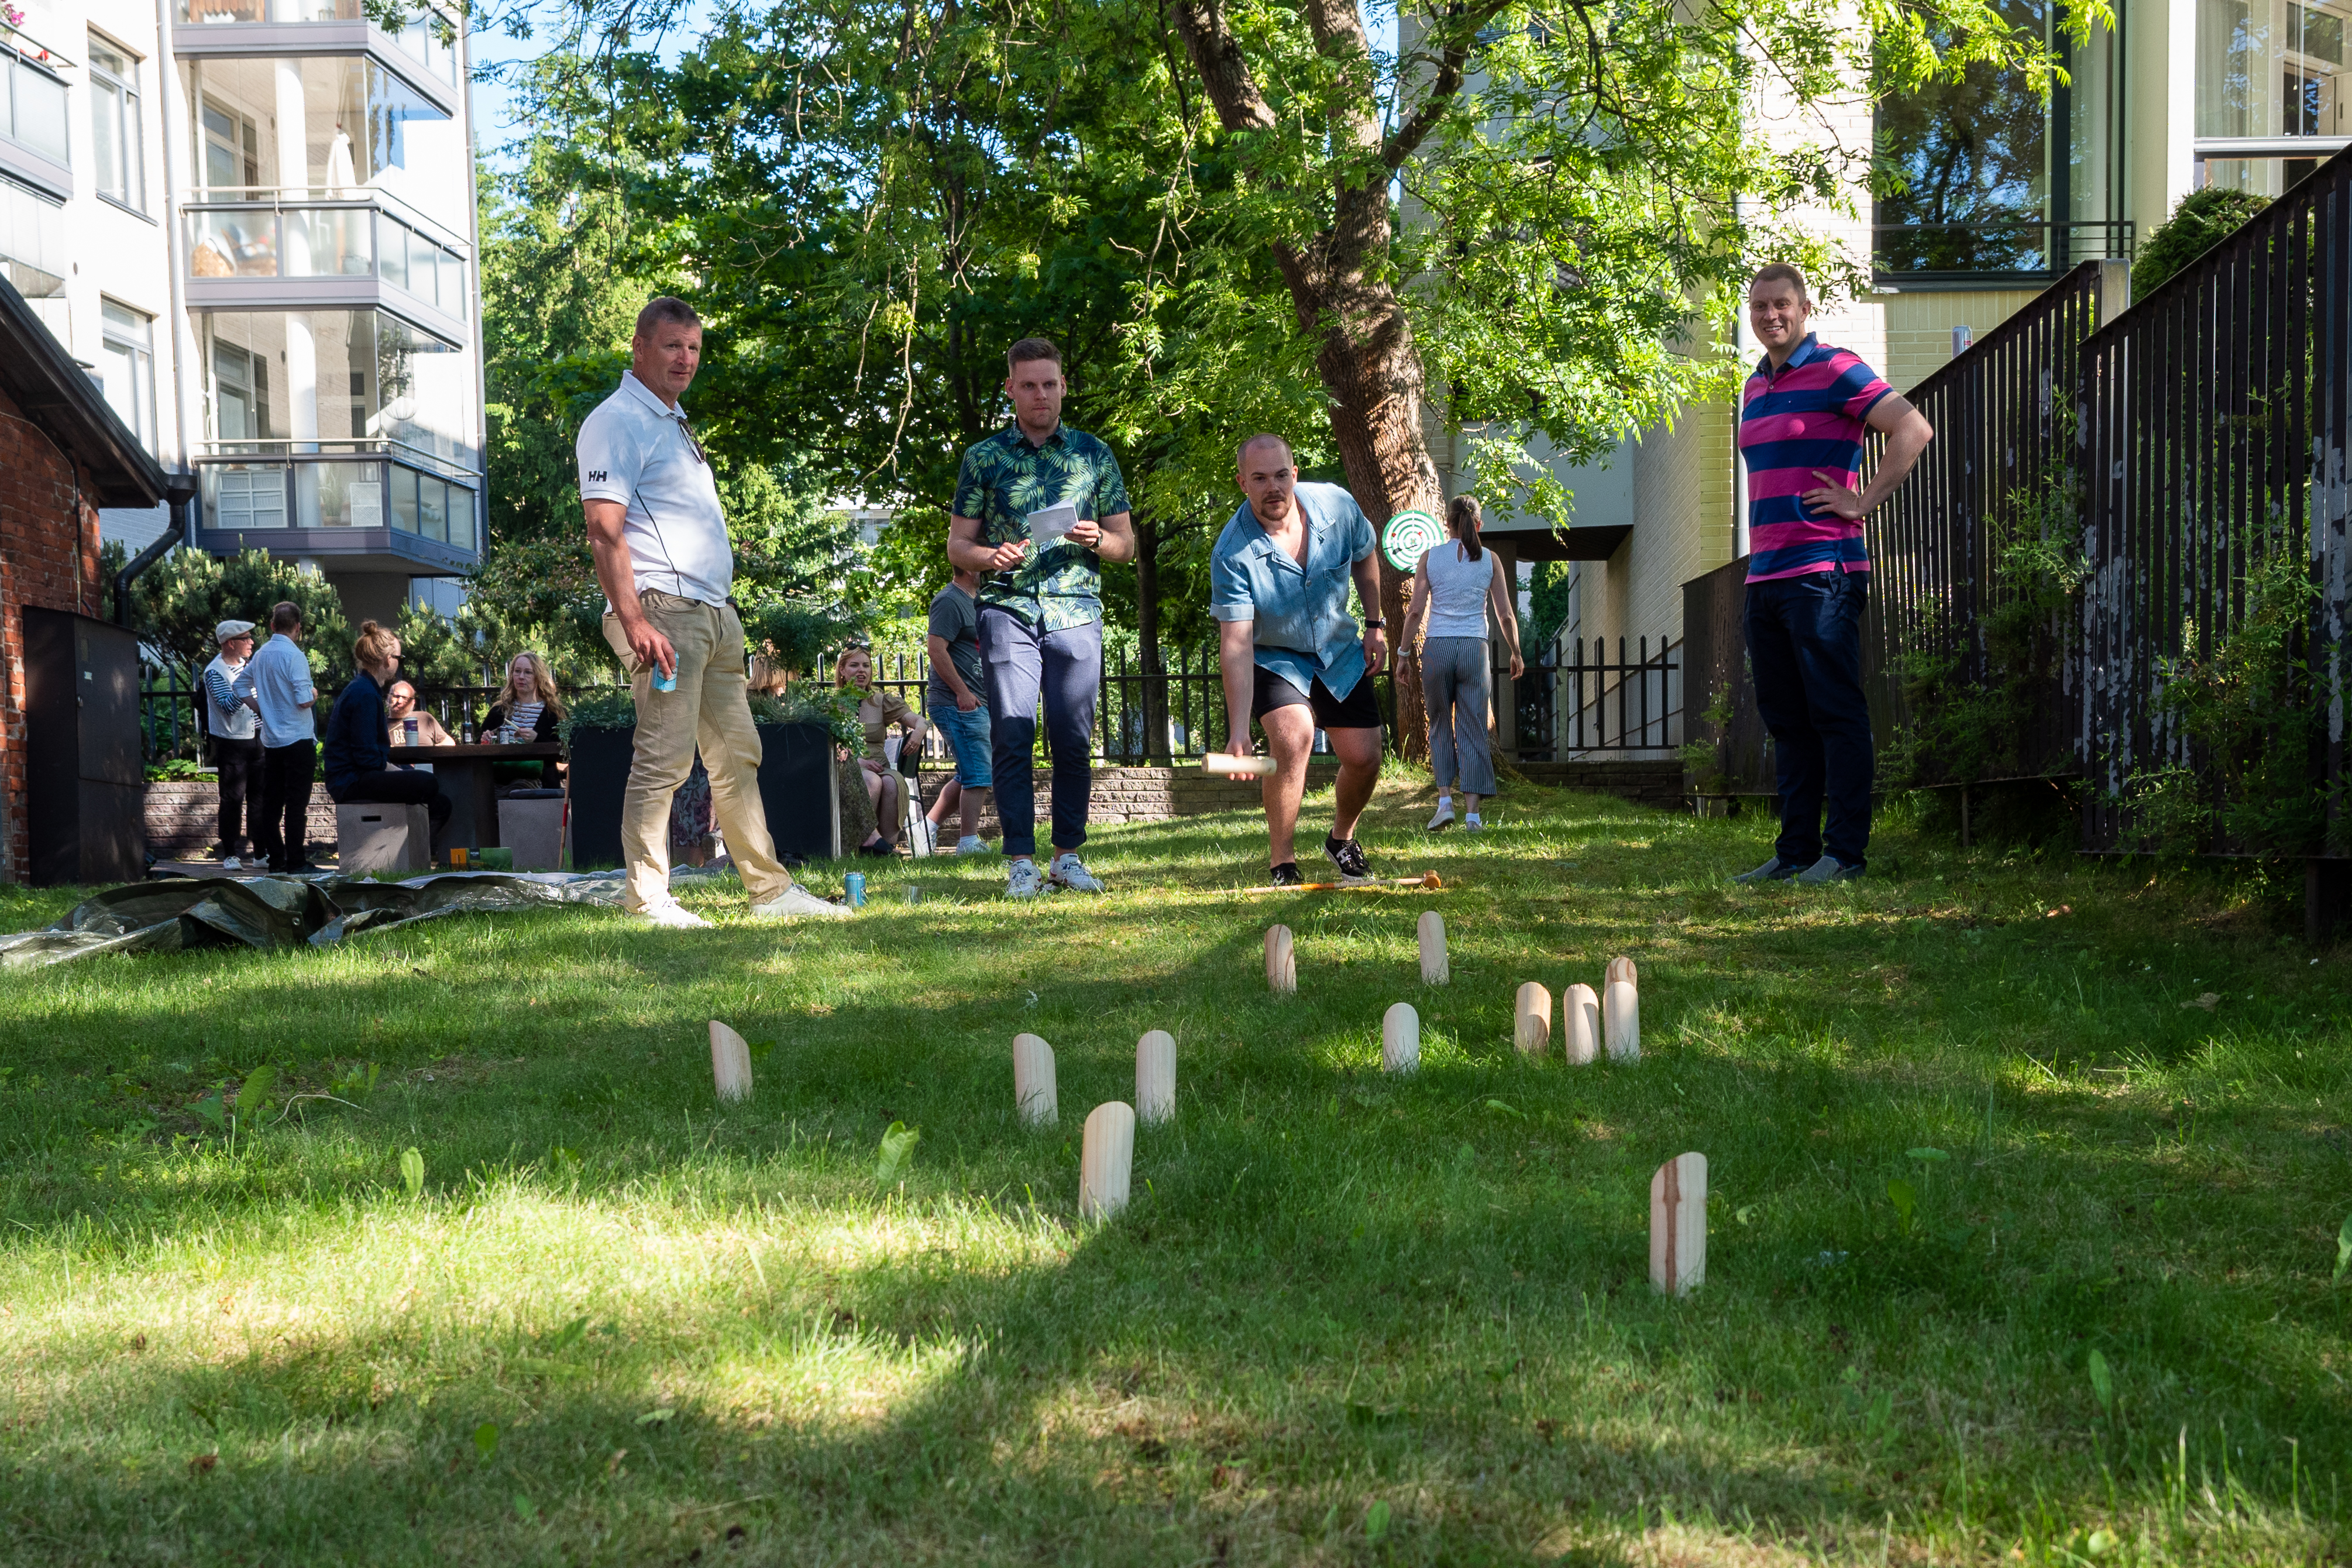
[180, 913]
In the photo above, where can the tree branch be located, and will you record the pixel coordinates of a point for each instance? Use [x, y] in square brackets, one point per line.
[1451, 70]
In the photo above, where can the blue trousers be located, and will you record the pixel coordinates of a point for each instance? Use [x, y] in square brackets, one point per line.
[1804, 648]
[1025, 662]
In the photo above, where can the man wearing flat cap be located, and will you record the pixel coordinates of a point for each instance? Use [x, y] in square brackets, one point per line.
[233, 720]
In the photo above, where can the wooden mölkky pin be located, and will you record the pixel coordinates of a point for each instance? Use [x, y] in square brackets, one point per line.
[1281, 967]
[1434, 970]
[1581, 1027]
[1621, 1012]
[1107, 1161]
[1679, 1225]
[1531, 1025]
[1033, 1092]
[1155, 1077]
[1401, 1039]
[730, 1062]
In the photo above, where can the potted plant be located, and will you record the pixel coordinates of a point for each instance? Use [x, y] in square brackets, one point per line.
[798, 732]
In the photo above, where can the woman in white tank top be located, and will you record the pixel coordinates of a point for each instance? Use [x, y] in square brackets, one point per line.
[1457, 583]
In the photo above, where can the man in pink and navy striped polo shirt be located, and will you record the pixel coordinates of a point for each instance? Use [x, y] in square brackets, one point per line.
[1803, 417]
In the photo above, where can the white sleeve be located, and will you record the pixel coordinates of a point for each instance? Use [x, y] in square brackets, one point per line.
[610, 459]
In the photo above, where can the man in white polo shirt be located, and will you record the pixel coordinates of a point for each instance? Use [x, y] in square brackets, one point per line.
[667, 567]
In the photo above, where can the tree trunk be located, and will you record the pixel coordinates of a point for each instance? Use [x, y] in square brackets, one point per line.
[1147, 640]
[1366, 360]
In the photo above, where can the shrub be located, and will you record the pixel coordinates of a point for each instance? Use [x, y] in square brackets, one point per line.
[2203, 220]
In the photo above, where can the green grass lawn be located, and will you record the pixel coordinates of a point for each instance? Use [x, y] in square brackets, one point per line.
[1348, 1319]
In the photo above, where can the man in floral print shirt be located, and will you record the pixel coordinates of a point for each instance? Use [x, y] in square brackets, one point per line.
[1038, 508]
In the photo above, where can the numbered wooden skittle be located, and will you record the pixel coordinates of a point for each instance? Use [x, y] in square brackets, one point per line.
[730, 1062]
[1281, 964]
[1107, 1161]
[1581, 1027]
[1155, 1077]
[1531, 1027]
[1435, 969]
[1401, 1039]
[1679, 1225]
[1034, 1094]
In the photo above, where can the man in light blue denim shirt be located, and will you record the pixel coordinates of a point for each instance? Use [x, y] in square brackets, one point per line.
[1290, 653]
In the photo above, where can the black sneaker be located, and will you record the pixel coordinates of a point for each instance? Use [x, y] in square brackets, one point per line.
[1287, 875]
[1348, 856]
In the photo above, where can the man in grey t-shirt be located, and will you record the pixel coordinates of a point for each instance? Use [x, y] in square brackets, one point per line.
[957, 698]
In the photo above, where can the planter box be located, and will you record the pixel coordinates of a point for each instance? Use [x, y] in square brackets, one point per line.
[796, 789]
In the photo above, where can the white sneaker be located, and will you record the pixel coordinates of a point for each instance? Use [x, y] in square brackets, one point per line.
[1443, 817]
[972, 844]
[1024, 880]
[797, 902]
[671, 915]
[231, 863]
[1474, 826]
[1068, 871]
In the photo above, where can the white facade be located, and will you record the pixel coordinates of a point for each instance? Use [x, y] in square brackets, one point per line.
[253, 223]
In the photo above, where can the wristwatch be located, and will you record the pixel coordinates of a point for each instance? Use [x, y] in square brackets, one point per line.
[1375, 623]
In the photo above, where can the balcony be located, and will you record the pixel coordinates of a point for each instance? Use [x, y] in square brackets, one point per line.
[34, 145]
[273, 249]
[367, 506]
[417, 53]
[2000, 253]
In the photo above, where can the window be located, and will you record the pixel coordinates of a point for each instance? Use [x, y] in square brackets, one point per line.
[32, 99]
[232, 149]
[2269, 68]
[32, 242]
[1980, 177]
[341, 379]
[127, 370]
[115, 145]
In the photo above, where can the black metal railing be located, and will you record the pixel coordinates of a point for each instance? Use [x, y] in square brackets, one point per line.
[1596, 703]
[1141, 716]
[1947, 549]
[171, 712]
[1994, 248]
[2216, 429]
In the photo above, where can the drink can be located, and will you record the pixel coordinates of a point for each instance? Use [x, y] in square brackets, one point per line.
[664, 682]
[854, 885]
[408, 728]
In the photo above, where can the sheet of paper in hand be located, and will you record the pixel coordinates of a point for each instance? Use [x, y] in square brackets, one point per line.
[1051, 523]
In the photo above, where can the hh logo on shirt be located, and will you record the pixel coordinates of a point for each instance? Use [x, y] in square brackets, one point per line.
[598, 478]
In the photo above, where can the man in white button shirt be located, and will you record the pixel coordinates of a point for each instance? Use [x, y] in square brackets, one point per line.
[279, 679]
[666, 565]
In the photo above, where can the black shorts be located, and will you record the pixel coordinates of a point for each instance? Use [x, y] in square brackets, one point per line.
[1357, 710]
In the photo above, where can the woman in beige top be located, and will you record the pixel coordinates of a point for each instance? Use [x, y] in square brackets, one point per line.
[877, 710]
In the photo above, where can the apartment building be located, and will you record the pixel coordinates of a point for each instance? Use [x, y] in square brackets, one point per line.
[2003, 194]
[252, 222]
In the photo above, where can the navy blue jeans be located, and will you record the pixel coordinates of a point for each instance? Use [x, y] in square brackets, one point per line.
[1804, 648]
[1064, 667]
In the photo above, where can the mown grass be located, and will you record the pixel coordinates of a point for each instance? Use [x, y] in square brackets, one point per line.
[1348, 1319]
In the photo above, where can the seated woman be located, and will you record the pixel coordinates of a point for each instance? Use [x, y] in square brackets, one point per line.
[357, 766]
[399, 707]
[878, 710]
[529, 702]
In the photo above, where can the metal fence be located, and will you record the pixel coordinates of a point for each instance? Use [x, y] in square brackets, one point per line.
[1945, 548]
[2214, 437]
[1141, 716]
[1596, 703]
[171, 712]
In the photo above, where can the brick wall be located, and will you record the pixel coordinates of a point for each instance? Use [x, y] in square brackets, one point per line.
[184, 818]
[48, 558]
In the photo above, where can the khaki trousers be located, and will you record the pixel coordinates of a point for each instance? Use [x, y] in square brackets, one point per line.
[711, 708]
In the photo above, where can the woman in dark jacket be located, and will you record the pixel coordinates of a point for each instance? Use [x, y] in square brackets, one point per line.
[357, 766]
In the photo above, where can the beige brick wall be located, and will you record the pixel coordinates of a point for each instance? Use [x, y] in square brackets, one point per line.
[1920, 327]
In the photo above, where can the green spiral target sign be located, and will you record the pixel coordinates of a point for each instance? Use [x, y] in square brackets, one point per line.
[1408, 536]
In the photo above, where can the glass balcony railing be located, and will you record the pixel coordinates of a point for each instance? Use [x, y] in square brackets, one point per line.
[32, 98]
[354, 489]
[423, 36]
[1999, 247]
[301, 234]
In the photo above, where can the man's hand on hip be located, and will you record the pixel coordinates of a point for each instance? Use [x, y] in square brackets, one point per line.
[968, 702]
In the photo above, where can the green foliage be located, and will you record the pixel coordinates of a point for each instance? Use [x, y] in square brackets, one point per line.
[602, 708]
[1966, 713]
[2103, 1381]
[809, 703]
[2200, 220]
[2243, 708]
[176, 602]
[177, 770]
[1548, 601]
[895, 1153]
[412, 1174]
